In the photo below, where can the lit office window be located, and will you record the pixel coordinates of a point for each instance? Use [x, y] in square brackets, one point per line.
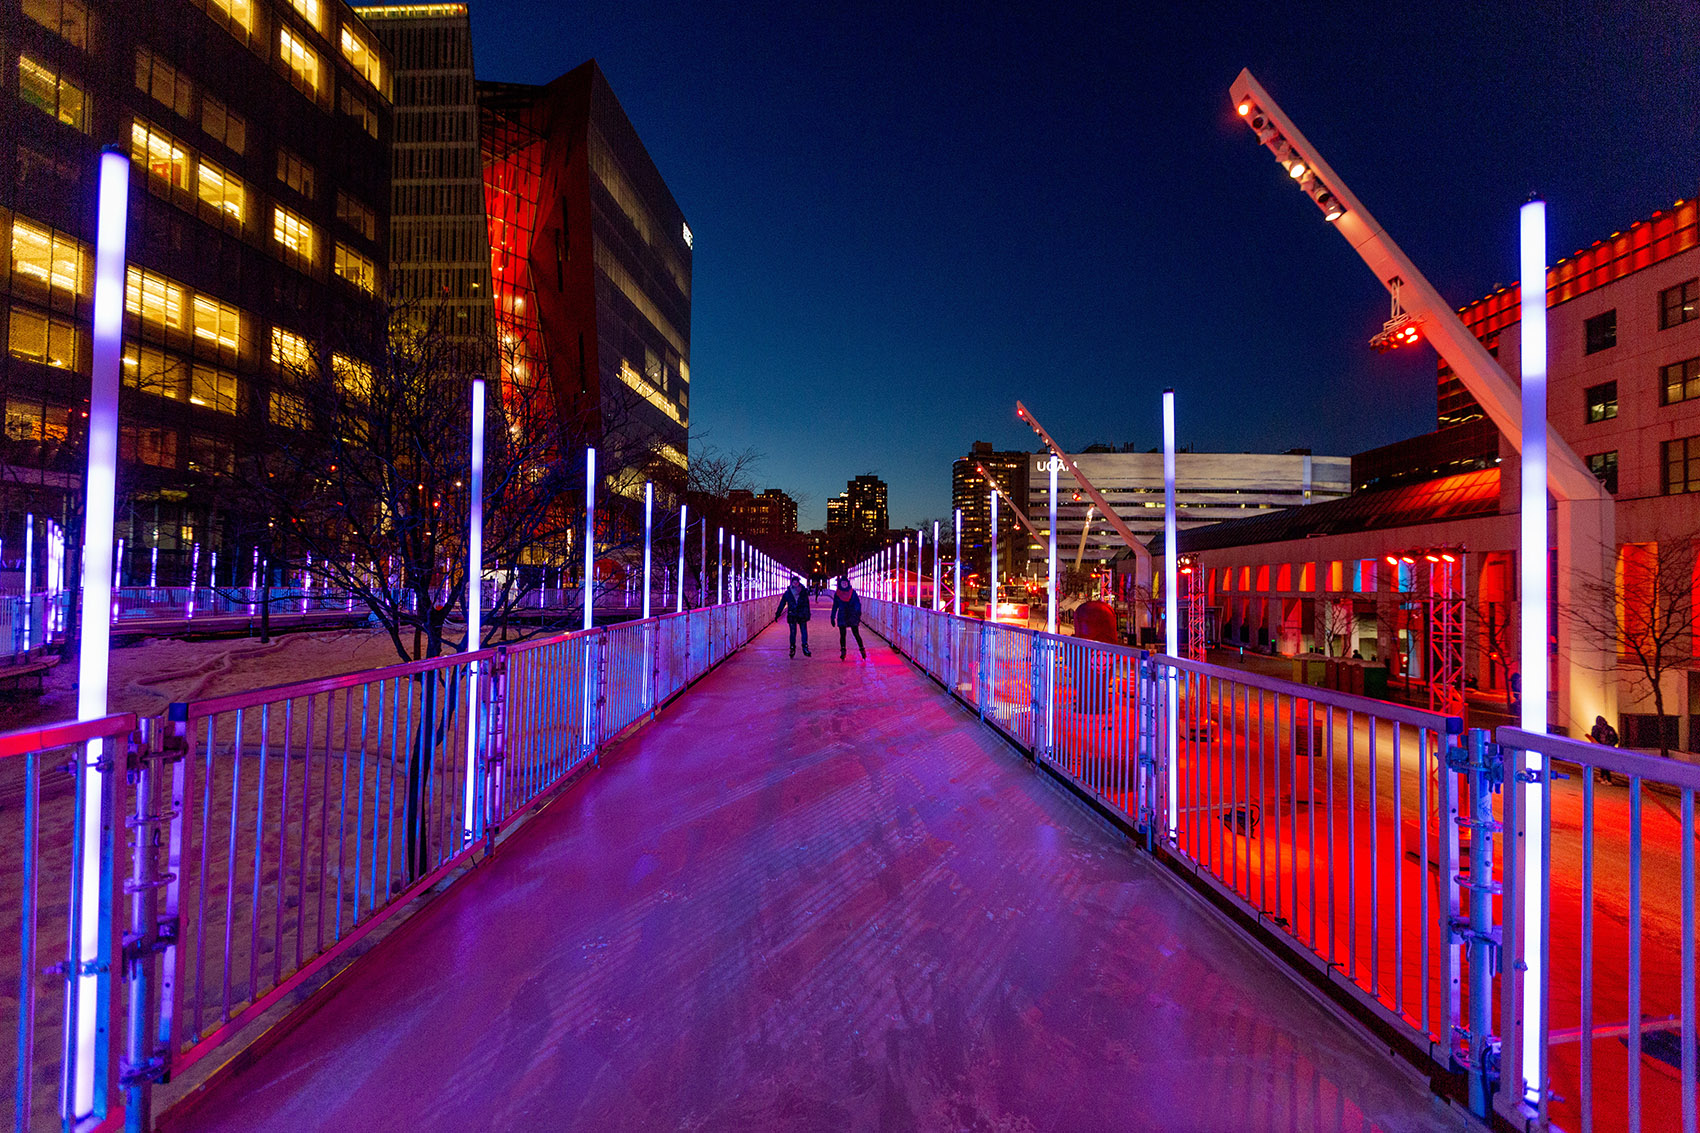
[153, 299]
[303, 61]
[311, 11]
[290, 351]
[355, 268]
[237, 15]
[288, 410]
[39, 337]
[294, 233]
[156, 77]
[361, 57]
[1679, 304]
[48, 258]
[1679, 381]
[67, 19]
[218, 323]
[1682, 466]
[45, 89]
[213, 388]
[158, 152]
[221, 191]
[1604, 467]
[153, 371]
[223, 124]
[1601, 401]
[353, 377]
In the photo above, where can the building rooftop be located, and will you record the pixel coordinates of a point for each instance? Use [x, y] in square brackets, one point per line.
[1463, 496]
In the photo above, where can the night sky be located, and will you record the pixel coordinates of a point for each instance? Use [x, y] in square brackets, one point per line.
[908, 216]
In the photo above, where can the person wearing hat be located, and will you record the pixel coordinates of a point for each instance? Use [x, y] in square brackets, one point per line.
[794, 605]
[847, 615]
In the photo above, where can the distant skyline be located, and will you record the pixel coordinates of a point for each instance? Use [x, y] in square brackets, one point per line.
[907, 219]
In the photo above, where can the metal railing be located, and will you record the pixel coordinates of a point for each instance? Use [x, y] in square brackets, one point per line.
[270, 831]
[1366, 841]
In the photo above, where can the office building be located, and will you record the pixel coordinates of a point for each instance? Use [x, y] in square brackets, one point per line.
[859, 508]
[259, 203]
[770, 514]
[970, 493]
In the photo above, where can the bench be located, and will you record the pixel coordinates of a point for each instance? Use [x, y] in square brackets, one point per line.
[15, 675]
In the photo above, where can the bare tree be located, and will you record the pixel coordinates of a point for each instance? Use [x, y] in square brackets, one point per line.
[1335, 617]
[1647, 613]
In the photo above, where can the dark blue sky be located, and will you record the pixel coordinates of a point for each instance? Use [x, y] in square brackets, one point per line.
[908, 216]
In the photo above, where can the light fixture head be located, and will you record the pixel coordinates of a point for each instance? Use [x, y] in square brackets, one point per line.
[1297, 169]
[1245, 107]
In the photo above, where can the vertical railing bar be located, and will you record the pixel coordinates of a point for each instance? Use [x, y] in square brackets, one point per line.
[1587, 954]
[1398, 868]
[1633, 1015]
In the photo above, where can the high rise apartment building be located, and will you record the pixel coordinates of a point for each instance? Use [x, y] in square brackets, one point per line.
[860, 508]
[259, 204]
[439, 239]
[771, 513]
[970, 493]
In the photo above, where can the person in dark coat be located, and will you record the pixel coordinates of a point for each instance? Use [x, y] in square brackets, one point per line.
[794, 604]
[847, 615]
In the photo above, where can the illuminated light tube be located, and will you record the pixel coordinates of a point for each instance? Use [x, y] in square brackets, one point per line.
[100, 483]
[1533, 646]
[474, 596]
[679, 608]
[1171, 605]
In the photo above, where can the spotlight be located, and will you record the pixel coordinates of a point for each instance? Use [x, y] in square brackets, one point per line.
[1245, 108]
[1407, 559]
[1297, 169]
[1392, 560]
[1448, 557]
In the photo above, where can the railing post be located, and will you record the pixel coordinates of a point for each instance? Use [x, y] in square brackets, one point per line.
[1039, 684]
[1479, 760]
[495, 746]
[983, 692]
[1145, 748]
[151, 933]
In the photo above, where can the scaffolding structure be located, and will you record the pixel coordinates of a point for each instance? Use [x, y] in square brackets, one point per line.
[1446, 631]
[1192, 598]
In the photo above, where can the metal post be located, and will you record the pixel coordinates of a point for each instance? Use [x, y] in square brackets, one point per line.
[679, 607]
[648, 523]
[719, 566]
[1051, 560]
[1171, 603]
[1533, 355]
[938, 563]
[474, 599]
[29, 574]
[956, 590]
[992, 600]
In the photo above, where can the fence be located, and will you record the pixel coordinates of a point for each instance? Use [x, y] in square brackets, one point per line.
[270, 831]
[1366, 842]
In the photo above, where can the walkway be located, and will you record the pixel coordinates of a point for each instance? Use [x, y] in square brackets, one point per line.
[819, 895]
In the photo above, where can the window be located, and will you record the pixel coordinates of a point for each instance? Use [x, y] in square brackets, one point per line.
[288, 410]
[356, 215]
[292, 232]
[1604, 467]
[1682, 466]
[38, 337]
[361, 57]
[67, 19]
[1679, 381]
[157, 447]
[165, 160]
[47, 258]
[1602, 402]
[237, 15]
[43, 88]
[353, 377]
[213, 388]
[152, 298]
[30, 422]
[1679, 304]
[153, 371]
[295, 172]
[302, 61]
[221, 192]
[310, 11]
[360, 110]
[218, 323]
[156, 77]
[1600, 332]
[290, 351]
[223, 124]
[355, 268]
[211, 456]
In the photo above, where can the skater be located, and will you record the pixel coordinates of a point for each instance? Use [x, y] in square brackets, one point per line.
[794, 603]
[847, 615]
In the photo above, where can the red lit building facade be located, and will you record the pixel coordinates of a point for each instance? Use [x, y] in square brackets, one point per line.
[1623, 392]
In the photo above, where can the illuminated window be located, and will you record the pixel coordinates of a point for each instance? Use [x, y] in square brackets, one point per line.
[353, 377]
[310, 11]
[1601, 401]
[68, 19]
[42, 338]
[43, 88]
[157, 447]
[159, 153]
[30, 422]
[1604, 467]
[1679, 304]
[153, 371]
[288, 410]
[153, 299]
[360, 110]
[1679, 381]
[1681, 465]
[237, 15]
[360, 55]
[303, 61]
[218, 323]
[293, 171]
[221, 192]
[47, 258]
[164, 82]
[356, 215]
[213, 388]
[355, 268]
[292, 232]
[224, 124]
[290, 351]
